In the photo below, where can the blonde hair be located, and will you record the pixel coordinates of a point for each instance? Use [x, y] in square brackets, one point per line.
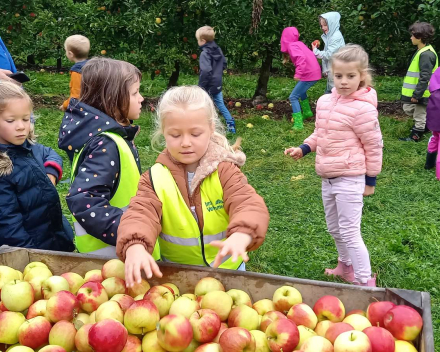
[78, 45]
[355, 53]
[206, 32]
[10, 91]
[188, 98]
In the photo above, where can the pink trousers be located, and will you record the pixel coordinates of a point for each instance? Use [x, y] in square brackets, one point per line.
[434, 146]
[343, 203]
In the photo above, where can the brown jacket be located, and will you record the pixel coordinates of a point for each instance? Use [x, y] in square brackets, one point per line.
[141, 224]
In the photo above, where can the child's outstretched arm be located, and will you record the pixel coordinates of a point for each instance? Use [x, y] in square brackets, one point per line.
[205, 71]
[53, 163]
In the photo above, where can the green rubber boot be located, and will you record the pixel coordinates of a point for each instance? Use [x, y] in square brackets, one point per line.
[306, 109]
[297, 121]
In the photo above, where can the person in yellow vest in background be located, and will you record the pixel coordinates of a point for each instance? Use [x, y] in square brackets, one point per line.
[415, 91]
[105, 167]
[194, 200]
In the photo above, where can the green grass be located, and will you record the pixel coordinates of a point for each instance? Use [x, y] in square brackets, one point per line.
[235, 86]
[400, 225]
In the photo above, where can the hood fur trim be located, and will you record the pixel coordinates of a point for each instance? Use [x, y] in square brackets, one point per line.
[6, 165]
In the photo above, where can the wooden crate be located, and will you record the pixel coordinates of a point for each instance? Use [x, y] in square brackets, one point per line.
[258, 286]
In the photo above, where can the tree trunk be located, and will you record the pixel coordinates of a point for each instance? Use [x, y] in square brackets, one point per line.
[59, 61]
[30, 60]
[174, 76]
[263, 80]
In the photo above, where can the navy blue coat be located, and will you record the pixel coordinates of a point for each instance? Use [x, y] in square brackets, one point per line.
[30, 208]
[212, 64]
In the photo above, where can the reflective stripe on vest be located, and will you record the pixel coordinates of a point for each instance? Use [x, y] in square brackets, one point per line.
[413, 75]
[128, 182]
[181, 240]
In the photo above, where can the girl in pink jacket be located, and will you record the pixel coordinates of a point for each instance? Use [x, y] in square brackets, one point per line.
[348, 145]
[307, 72]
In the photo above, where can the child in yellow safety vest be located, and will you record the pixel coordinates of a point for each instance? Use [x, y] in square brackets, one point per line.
[195, 200]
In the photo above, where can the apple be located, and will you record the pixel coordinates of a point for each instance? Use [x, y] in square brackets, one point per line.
[357, 311]
[62, 306]
[17, 295]
[194, 56]
[92, 317]
[125, 301]
[357, 321]
[193, 345]
[337, 329]
[34, 333]
[139, 297]
[304, 334]
[173, 288]
[84, 318]
[82, 338]
[20, 348]
[38, 308]
[63, 334]
[109, 310]
[52, 285]
[404, 346]
[205, 325]
[270, 106]
[282, 335]
[36, 283]
[162, 297]
[103, 52]
[317, 344]
[223, 327]
[3, 308]
[237, 340]
[303, 314]
[38, 271]
[317, 42]
[270, 317]
[376, 312]
[352, 341]
[404, 322]
[184, 306]
[114, 286]
[150, 343]
[174, 333]
[108, 335]
[239, 297]
[208, 284]
[260, 341]
[114, 268]
[52, 348]
[285, 297]
[244, 316]
[259, 107]
[74, 280]
[158, 20]
[93, 275]
[329, 307]
[220, 302]
[263, 306]
[133, 344]
[141, 317]
[139, 288]
[381, 340]
[91, 295]
[190, 295]
[237, 104]
[32, 265]
[209, 347]
[10, 322]
[20, 275]
[322, 327]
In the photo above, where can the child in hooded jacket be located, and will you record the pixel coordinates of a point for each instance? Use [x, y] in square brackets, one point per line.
[333, 40]
[348, 145]
[433, 123]
[194, 200]
[307, 73]
[30, 208]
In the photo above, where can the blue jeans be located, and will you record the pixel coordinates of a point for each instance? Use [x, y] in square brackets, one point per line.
[220, 104]
[300, 91]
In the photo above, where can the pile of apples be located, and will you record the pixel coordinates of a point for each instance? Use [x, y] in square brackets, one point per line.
[47, 313]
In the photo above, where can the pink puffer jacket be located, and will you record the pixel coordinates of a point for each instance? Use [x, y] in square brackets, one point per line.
[347, 137]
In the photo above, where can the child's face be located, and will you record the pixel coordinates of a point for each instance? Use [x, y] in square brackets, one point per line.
[187, 134]
[415, 41]
[15, 122]
[347, 77]
[324, 25]
[136, 100]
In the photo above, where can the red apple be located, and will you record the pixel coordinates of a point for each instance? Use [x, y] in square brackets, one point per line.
[337, 329]
[174, 333]
[237, 340]
[270, 317]
[209, 347]
[357, 321]
[52, 348]
[377, 310]
[194, 56]
[173, 288]
[208, 284]
[285, 297]
[184, 306]
[404, 322]
[282, 335]
[62, 306]
[34, 333]
[330, 308]
[223, 327]
[17, 295]
[91, 295]
[263, 306]
[205, 325]
[4, 309]
[316, 43]
[63, 334]
[141, 317]
[108, 335]
[322, 327]
[125, 301]
[150, 343]
[381, 340]
[219, 301]
[10, 322]
[139, 288]
[133, 344]
[114, 286]
[82, 338]
[302, 314]
[93, 275]
[113, 268]
[162, 297]
[244, 316]
[352, 341]
[259, 107]
[239, 297]
[37, 309]
[74, 280]
[109, 310]
[317, 344]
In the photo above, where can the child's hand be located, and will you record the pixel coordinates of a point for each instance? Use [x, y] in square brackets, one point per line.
[295, 152]
[285, 60]
[235, 245]
[414, 100]
[61, 107]
[136, 260]
[52, 179]
[369, 190]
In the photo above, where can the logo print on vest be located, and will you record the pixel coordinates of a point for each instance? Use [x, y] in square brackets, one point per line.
[212, 207]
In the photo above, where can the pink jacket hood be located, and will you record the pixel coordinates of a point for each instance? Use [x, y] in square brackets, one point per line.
[368, 95]
[289, 36]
